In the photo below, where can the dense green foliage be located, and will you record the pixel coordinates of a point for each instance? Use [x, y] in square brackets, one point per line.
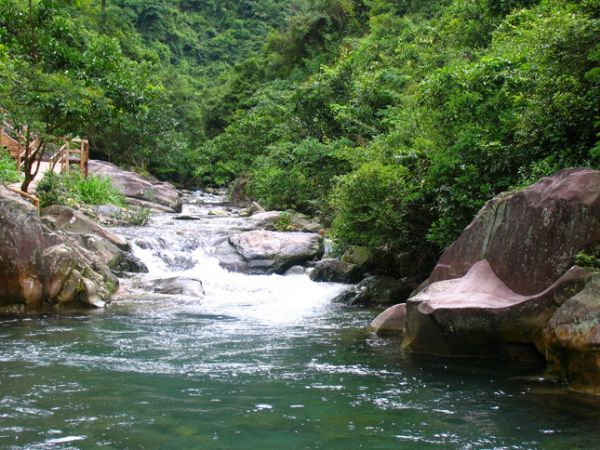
[72, 189]
[8, 168]
[433, 108]
[395, 120]
[131, 77]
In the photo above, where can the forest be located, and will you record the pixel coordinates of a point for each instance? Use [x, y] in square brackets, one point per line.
[393, 121]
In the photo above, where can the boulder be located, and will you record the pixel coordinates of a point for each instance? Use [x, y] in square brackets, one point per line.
[495, 289]
[296, 270]
[376, 291]
[530, 237]
[154, 207]
[253, 208]
[266, 219]
[133, 185]
[479, 315]
[41, 269]
[390, 322]
[266, 252]
[109, 210]
[120, 262]
[67, 219]
[334, 270]
[572, 339]
[188, 286]
[218, 213]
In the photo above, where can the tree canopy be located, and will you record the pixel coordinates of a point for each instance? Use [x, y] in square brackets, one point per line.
[393, 120]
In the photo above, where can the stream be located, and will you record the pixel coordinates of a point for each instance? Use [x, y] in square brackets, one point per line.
[258, 362]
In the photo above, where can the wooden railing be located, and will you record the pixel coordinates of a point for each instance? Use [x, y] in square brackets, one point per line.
[12, 144]
[32, 198]
[72, 151]
[75, 150]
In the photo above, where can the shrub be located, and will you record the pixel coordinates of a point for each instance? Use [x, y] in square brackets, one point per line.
[8, 168]
[377, 205]
[73, 188]
[296, 176]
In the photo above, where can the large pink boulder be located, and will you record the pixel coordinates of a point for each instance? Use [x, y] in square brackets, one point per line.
[496, 288]
[530, 237]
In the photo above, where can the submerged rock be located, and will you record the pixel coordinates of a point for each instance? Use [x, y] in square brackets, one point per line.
[390, 322]
[41, 268]
[147, 191]
[188, 286]
[264, 252]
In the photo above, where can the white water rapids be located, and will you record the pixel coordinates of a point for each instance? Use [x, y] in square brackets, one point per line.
[183, 248]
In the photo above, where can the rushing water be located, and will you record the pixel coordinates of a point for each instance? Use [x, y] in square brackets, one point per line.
[260, 362]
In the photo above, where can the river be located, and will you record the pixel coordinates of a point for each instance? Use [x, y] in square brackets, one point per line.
[259, 362]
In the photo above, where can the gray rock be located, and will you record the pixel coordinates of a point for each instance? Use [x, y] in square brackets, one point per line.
[133, 185]
[262, 251]
[109, 210]
[376, 291]
[295, 270]
[119, 261]
[266, 219]
[188, 286]
[69, 220]
[218, 213]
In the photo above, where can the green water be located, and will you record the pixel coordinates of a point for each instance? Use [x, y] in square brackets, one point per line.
[144, 374]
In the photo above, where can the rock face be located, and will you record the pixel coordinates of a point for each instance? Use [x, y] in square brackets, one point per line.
[69, 220]
[572, 339]
[376, 291]
[146, 191]
[111, 249]
[496, 289]
[530, 237]
[266, 252]
[41, 269]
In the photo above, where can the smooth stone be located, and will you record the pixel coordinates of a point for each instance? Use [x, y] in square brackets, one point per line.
[390, 322]
[261, 251]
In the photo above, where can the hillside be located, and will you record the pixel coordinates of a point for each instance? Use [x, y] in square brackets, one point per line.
[393, 121]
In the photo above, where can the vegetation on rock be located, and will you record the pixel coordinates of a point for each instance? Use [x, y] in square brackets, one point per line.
[72, 188]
